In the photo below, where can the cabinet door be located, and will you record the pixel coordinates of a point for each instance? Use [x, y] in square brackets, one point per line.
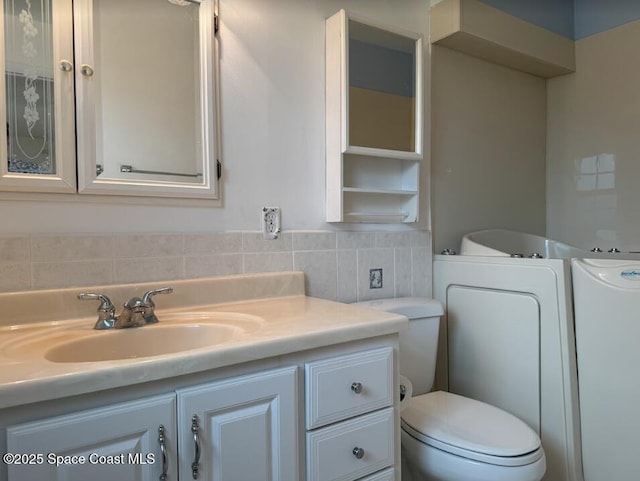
[37, 141]
[245, 428]
[106, 444]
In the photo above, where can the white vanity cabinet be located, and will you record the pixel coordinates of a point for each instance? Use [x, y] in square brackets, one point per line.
[247, 429]
[114, 442]
[350, 416]
[258, 422]
[240, 429]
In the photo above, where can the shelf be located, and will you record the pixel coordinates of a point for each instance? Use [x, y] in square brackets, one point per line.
[382, 153]
[364, 190]
[377, 217]
[380, 206]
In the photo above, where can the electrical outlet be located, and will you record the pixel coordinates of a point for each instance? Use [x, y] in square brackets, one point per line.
[270, 222]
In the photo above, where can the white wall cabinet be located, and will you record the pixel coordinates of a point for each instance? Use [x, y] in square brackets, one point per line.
[374, 121]
[77, 73]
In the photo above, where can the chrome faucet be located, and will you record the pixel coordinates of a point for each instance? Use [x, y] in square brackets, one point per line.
[136, 311]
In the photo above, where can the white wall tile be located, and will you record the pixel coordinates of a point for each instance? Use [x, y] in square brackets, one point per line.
[420, 238]
[321, 272]
[210, 244]
[422, 268]
[15, 277]
[356, 240]
[71, 247]
[402, 272]
[268, 262]
[254, 242]
[148, 245]
[347, 275]
[49, 275]
[313, 241]
[14, 249]
[331, 273]
[393, 239]
[142, 269]
[211, 266]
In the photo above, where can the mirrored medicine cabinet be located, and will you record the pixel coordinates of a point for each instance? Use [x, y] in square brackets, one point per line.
[374, 121]
[111, 97]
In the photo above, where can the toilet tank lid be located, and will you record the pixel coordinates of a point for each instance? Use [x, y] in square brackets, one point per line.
[411, 307]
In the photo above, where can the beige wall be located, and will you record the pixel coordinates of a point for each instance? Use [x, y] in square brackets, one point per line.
[594, 144]
[488, 148]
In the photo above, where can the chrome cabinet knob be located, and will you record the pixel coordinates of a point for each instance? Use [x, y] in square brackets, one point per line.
[356, 387]
[65, 66]
[86, 70]
[358, 452]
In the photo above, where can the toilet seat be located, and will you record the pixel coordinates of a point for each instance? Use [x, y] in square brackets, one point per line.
[471, 429]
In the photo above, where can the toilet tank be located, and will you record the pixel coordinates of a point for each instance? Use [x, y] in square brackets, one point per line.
[419, 343]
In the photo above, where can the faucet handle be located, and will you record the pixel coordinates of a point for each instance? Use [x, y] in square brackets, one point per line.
[106, 310]
[150, 306]
[148, 295]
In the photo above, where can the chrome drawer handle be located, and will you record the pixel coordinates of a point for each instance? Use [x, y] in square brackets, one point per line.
[163, 449]
[358, 452]
[195, 466]
[356, 387]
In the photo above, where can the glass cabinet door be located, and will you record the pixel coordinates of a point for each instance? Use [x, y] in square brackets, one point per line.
[37, 150]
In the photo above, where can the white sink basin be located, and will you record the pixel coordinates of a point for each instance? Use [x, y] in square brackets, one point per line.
[176, 332]
[141, 342]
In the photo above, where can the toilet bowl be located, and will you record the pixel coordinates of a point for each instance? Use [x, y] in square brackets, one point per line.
[447, 437]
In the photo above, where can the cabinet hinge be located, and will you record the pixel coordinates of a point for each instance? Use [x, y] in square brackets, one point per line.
[216, 24]
[219, 169]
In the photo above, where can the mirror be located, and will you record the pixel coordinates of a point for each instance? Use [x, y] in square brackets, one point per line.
[382, 106]
[142, 76]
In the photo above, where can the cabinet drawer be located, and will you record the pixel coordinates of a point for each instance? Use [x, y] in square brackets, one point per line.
[328, 385]
[332, 452]
[386, 475]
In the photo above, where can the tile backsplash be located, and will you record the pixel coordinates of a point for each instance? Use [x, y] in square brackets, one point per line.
[336, 264]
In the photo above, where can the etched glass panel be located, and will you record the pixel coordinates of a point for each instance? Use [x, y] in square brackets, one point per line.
[29, 86]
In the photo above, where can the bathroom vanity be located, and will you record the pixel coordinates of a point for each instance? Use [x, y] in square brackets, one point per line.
[300, 388]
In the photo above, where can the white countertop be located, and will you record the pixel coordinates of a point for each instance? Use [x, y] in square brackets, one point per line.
[289, 323]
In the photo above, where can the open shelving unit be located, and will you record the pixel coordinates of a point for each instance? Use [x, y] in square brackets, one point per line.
[370, 183]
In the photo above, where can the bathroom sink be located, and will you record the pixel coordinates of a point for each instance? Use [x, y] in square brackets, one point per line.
[142, 342]
[176, 332]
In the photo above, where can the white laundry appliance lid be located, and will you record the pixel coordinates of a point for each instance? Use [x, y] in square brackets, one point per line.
[470, 425]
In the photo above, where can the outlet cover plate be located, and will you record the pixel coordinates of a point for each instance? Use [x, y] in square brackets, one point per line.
[270, 222]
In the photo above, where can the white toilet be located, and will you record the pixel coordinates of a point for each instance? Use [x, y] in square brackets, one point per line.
[446, 437]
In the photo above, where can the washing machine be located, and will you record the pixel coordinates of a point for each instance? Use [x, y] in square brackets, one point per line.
[607, 326]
